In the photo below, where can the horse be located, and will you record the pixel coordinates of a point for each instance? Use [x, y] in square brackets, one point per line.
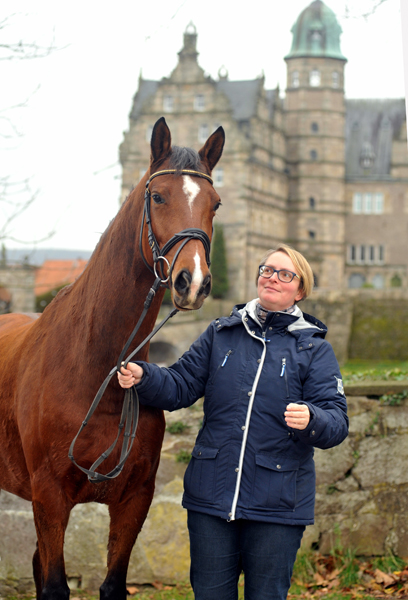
[51, 366]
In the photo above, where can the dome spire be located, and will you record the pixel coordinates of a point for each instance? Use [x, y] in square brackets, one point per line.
[316, 33]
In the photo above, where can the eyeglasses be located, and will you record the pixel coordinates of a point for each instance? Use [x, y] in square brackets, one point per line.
[283, 274]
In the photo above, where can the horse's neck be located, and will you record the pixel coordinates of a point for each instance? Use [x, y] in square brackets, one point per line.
[104, 304]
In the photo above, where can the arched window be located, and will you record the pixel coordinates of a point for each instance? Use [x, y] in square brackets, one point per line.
[295, 79]
[314, 126]
[312, 202]
[378, 281]
[396, 281]
[314, 78]
[356, 280]
[313, 155]
[335, 79]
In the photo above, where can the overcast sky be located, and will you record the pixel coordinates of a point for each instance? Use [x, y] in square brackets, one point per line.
[78, 98]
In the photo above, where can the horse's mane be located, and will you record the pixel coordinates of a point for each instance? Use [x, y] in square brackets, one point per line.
[184, 158]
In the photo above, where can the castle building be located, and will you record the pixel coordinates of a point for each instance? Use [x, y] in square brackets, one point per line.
[313, 169]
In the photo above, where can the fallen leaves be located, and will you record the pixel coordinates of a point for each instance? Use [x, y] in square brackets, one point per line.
[364, 579]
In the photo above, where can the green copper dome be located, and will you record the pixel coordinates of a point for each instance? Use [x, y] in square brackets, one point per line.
[316, 33]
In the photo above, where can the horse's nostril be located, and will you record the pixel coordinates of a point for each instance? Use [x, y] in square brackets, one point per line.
[182, 282]
[206, 287]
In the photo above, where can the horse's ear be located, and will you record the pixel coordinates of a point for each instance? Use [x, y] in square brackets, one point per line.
[161, 141]
[211, 152]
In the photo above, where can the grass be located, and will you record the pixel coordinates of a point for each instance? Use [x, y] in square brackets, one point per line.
[360, 370]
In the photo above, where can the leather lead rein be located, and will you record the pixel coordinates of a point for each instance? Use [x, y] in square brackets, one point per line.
[130, 409]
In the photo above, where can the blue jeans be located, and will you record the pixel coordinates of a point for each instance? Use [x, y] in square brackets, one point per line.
[220, 551]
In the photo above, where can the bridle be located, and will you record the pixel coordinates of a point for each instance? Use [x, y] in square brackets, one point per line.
[130, 409]
[191, 233]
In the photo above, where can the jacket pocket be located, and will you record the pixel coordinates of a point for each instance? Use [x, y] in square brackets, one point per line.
[223, 364]
[199, 478]
[275, 482]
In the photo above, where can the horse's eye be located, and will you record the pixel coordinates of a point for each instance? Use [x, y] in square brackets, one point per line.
[217, 206]
[157, 199]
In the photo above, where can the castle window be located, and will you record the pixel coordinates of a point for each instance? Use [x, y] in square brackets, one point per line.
[313, 155]
[295, 79]
[371, 254]
[203, 132]
[352, 254]
[335, 79]
[312, 202]
[357, 203]
[361, 254]
[368, 203]
[379, 203]
[396, 281]
[312, 235]
[149, 131]
[356, 280]
[218, 177]
[314, 127]
[380, 254]
[314, 78]
[168, 103]
[199, 102]
[378, 281]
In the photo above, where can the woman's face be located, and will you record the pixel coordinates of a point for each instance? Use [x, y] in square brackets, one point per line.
[274, 294]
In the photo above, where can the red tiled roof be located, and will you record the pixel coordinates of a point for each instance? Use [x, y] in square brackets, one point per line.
[55, 273]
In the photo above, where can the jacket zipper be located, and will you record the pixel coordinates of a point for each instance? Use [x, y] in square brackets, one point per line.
[283, 374]
[231, 516]
[226, 357]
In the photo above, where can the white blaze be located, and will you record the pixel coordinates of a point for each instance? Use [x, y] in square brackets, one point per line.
[197, 277]
[191, 189]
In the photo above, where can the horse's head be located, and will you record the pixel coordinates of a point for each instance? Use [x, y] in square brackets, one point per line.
[180, 205]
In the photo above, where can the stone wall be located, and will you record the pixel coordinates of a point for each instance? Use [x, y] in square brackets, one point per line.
[361, 499]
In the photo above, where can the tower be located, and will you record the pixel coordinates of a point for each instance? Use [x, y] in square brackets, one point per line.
[315, 143]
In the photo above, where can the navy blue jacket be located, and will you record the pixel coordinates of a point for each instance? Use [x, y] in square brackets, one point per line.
[247, 463]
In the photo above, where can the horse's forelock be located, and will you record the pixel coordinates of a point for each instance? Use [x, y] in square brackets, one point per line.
[185, 158]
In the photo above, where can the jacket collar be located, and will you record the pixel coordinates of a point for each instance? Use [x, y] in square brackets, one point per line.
[297, 323]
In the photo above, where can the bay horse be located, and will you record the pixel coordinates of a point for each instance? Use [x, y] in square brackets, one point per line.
[51, 366]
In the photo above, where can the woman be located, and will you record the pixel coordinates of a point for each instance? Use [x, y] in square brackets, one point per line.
[272, 392]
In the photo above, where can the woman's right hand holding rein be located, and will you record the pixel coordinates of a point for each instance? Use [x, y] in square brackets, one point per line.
[130, 376]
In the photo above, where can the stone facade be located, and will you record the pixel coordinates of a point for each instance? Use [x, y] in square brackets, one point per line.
[18, 285]
[326, 174]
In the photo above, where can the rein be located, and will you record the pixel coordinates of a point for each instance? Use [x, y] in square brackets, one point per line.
[130, 409]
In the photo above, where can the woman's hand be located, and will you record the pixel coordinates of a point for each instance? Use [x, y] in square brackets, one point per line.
[130, 376]
[297, 416]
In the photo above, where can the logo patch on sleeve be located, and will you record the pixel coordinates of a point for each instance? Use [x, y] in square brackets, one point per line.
[340, 387]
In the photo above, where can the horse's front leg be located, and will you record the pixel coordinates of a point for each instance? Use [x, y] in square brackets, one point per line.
[126, 522]
[51, 514]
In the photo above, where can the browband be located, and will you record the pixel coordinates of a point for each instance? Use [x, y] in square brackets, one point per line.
[182, 172]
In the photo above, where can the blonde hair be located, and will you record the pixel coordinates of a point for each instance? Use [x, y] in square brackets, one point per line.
[304, 270]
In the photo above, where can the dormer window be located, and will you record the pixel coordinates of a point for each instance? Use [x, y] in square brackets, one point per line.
[168, 103]
[314, 78]
[367, 156]
[295, 79]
